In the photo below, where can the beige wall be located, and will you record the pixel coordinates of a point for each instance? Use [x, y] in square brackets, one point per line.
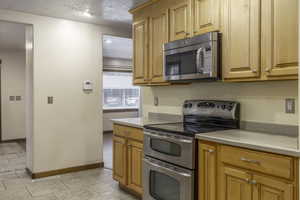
[260, 101]
[67, 133]
[12, 84]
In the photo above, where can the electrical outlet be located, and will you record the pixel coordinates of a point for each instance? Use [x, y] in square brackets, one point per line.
[156, 101]
[18, 98]
[290, 106]
[12, 98]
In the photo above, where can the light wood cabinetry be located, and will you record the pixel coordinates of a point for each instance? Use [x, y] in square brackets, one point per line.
[127, 157]
[159, 35]
[241, 39]
[140, 51]
[208, 171]
[259, 37]
[180, 20]
[119, 160]
[233, 173]
[206, 15]
[279, 39]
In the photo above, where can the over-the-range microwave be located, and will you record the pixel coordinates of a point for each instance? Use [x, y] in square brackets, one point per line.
[196, 58]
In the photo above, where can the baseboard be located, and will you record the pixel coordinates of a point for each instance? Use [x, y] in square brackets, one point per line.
[64, 171]
[15, 140]
[107, 132]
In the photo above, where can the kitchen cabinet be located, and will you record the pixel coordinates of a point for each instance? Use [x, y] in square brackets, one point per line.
[119, 159]
[208, 171]
[279, 39]
[206, 15]
[235, 184]
[241, 39]
[127, 157]
[159, 35]
[135, 156]
[234, 173]
[180, 20]
[140, 51]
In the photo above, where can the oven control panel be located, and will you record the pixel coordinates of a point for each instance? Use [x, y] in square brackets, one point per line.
[212, 109]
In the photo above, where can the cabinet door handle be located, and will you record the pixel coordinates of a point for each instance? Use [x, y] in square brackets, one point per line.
[268, 69]
[253, 182]
[250, 161]
[211, 150]
[254, 70]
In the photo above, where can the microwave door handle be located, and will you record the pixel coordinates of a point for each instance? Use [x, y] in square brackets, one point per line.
[165, 169]
[200, 60]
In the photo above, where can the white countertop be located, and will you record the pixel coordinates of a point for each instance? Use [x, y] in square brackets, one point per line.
[138, 122]
[254, 140]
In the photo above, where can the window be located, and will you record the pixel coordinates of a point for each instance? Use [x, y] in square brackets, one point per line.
[118, 91]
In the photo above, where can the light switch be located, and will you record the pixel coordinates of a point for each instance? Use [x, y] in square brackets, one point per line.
[290, 106]
[18, 98]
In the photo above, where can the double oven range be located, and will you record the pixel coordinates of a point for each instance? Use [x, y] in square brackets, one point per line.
[169, 164]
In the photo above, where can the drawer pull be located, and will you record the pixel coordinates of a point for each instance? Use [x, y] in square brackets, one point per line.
[253, 182]
[250, 161]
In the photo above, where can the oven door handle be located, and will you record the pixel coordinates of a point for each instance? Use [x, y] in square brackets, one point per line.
[167, 169]
[168, 138]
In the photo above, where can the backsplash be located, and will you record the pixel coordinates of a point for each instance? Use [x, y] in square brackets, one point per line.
[260, 101]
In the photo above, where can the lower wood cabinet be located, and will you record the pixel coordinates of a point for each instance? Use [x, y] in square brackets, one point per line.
[225, 178]
[127, 157]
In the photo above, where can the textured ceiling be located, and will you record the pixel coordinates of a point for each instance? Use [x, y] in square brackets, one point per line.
[106, 12]
[118, 47]
[12, 36]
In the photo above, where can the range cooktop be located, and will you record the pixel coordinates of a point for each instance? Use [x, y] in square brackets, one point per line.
[185, 129]
[203, 116]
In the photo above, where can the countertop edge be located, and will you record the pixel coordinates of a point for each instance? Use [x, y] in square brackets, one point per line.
[116, 121]
[270, 149]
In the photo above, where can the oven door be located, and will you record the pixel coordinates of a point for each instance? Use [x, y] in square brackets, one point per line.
[172, 148]
[162, 181]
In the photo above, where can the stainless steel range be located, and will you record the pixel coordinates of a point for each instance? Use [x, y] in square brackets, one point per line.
[170, 149]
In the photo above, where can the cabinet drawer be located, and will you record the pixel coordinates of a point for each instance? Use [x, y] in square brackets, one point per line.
[129, 132]
[277, 165]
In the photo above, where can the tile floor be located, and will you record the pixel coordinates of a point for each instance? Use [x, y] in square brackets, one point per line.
[15, 184]
[107, 150]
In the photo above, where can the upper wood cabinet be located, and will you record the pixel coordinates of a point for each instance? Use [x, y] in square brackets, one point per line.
[180, 20]
[206, 16]
[159, 35]
[241, 39]
[279, 39]
[140, 51]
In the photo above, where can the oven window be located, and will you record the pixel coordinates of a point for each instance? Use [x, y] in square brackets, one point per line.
[164, 187]
[166, 147]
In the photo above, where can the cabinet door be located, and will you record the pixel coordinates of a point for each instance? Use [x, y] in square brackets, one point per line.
[265, 188]
[135, 159]
[241, 39]
[235, 185]
[159, 33]
[279, 38]
[180, 18]
[207, 172]
[140, 52]
[119, 160]
[206, 16]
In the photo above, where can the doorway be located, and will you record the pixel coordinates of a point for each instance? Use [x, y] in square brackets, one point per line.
[13, 96]
[121, 99]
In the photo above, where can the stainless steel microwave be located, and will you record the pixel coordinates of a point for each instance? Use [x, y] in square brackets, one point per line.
[196, 58]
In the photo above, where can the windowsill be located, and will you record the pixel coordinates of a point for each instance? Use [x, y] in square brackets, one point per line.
[110, 110]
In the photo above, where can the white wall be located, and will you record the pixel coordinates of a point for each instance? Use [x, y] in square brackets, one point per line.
[12, 84]
[67, 133]
[260, 101]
